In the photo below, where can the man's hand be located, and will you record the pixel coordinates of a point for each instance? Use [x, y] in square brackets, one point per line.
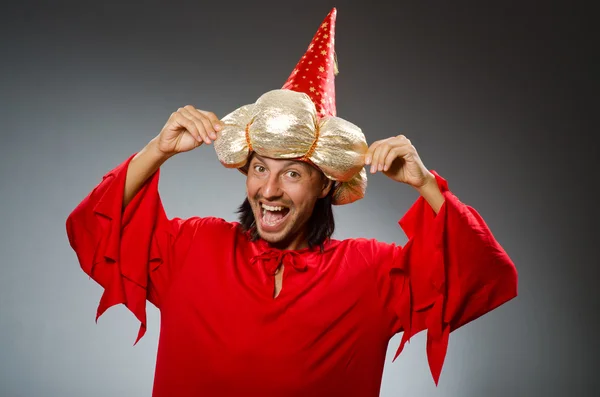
[398, 159]
[186, 129]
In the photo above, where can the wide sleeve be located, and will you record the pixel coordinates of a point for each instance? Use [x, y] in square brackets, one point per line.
[131, 253]
[450, 272]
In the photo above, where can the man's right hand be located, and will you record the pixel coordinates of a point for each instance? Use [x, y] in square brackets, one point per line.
[186, 129]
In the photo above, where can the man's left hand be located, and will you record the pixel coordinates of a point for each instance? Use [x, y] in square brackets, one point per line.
[398, 159]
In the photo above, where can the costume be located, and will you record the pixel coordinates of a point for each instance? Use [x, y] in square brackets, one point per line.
[326, 333]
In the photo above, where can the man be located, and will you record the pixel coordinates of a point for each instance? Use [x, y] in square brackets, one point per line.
[273, 305]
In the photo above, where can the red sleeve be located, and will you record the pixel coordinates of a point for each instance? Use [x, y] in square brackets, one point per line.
[130, 253]
[451, 271]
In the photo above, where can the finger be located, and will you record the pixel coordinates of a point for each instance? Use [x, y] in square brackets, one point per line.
[390, 158]
[199, 117]
[216, 123]
[402, 140]
[200, 124]
[379, 156]
[198, 131]
[382, 154]
[187, 124]
[371, 151]
[395, 153]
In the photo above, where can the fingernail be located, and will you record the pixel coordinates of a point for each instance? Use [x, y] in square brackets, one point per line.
[380, 167]
[372, 169]
[217, 126]
[368, 160]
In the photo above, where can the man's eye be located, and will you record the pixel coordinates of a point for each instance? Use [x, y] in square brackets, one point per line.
[259, 168]
[293, 174]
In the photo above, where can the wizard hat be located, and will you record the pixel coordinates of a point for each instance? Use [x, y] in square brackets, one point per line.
[299, 122]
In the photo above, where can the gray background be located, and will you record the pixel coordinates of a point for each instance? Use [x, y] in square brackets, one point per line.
[496, 97]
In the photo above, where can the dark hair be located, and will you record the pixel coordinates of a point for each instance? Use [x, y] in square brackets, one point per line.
[320, 225]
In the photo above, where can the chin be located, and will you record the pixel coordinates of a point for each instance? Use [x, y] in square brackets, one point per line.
[273, 238]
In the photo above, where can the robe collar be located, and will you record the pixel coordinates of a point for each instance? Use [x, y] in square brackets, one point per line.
[272, 258]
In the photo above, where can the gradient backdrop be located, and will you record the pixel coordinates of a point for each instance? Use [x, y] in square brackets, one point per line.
[496, 97]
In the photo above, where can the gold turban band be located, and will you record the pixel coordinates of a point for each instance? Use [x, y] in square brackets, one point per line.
[284, 124]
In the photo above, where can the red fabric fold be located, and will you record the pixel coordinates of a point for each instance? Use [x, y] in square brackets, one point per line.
[116, 247]
[452, 271]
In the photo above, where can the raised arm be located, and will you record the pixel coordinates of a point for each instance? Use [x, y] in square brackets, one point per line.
[120, 232]
[452, 270]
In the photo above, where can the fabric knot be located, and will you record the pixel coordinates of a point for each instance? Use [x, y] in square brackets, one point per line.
[272, 259]
[250, 149]
[312, 148]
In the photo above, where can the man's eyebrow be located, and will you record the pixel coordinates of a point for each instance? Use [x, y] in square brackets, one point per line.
[287, 163]
[300, 164]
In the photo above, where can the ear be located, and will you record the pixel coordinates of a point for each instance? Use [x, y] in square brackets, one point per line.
[326, 187]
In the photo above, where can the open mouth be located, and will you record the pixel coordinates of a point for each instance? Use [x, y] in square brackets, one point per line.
[272, 216]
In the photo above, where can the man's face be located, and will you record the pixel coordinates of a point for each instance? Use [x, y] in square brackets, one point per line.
[282, 194]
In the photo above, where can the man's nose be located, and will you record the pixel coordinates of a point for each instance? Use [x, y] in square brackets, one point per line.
[272, 187]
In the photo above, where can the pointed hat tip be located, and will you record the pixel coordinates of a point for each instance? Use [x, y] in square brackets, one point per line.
[315, 72]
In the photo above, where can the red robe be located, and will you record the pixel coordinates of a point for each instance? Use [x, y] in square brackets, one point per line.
[326, 334]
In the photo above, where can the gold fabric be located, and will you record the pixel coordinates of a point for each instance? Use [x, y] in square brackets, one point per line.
[283, 124]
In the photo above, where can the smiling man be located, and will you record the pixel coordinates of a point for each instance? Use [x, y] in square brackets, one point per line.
[282, 195]
[273, 305]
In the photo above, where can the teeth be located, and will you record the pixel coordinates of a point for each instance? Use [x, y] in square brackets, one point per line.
[265, 220]
[269, 208]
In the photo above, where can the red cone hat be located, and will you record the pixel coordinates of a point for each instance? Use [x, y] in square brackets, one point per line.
[314, 74]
